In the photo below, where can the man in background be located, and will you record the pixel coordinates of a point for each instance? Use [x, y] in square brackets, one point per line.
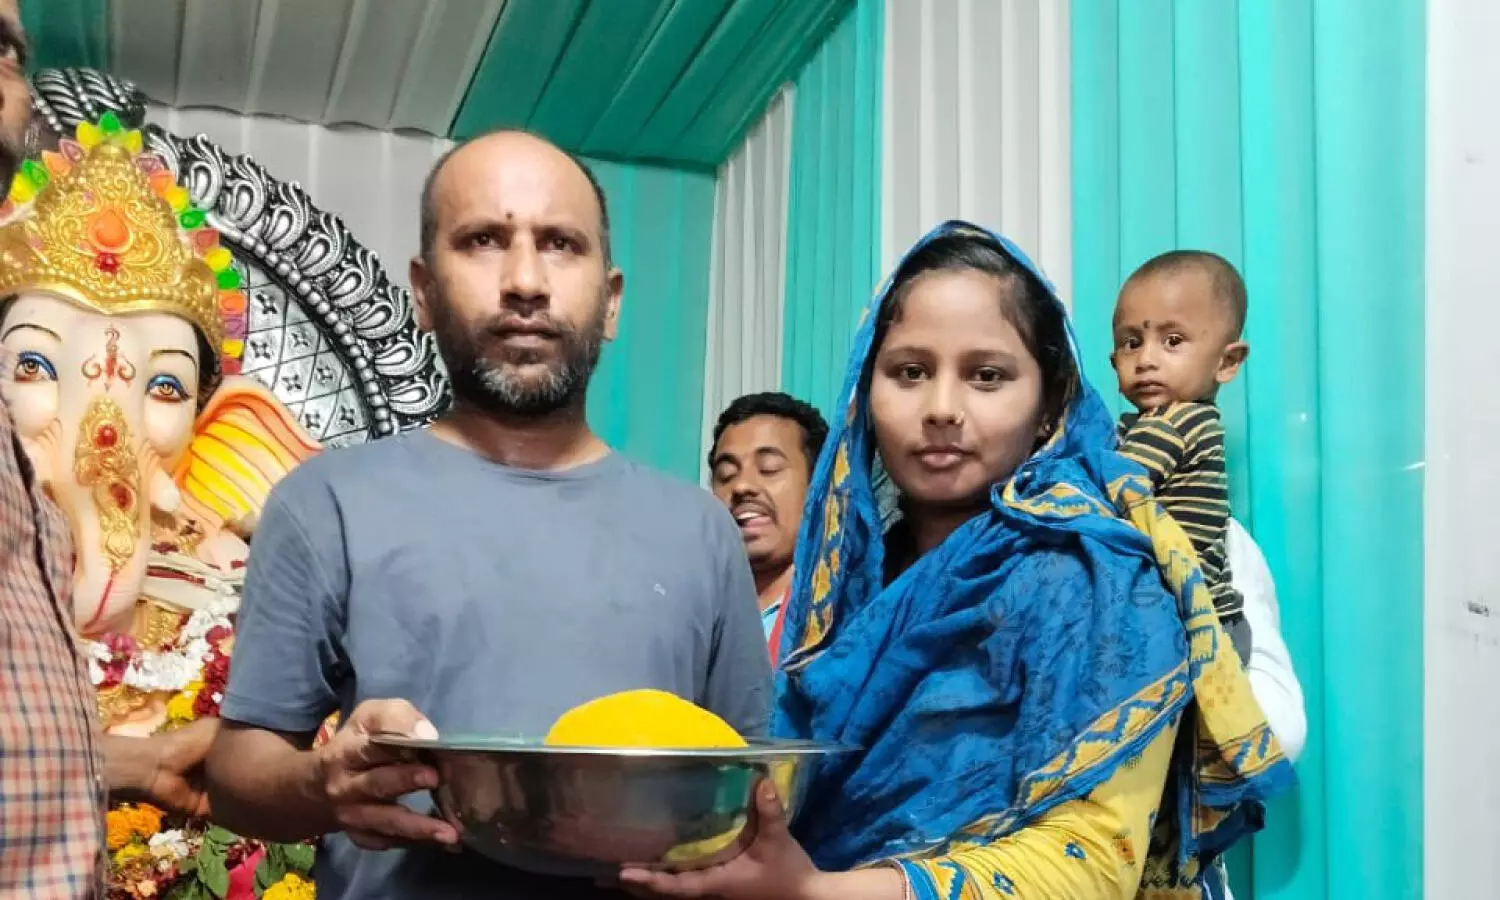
[55, 766]
[764, 451]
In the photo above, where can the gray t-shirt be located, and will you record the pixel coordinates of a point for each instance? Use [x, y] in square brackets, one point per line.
[494, 599]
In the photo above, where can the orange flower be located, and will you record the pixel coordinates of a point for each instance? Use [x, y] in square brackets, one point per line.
[145, 821]
[117, 828]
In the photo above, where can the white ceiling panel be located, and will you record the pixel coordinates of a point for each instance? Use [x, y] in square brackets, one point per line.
[387, 64]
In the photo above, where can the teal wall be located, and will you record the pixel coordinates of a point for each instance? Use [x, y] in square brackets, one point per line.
[67, 32]
[647, 398]
[1288, 136]
[833, 204]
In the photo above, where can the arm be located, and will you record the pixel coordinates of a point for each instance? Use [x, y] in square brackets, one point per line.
[165, 769]
[260, 769]
[1273, 680]
[1158, 442]
[738, 688]
[268, 785]
[263, 779]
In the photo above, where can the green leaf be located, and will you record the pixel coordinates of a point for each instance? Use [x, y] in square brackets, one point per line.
[271, 870]
[189, 889]
[221, 837]
[213, 874]
[299, 857]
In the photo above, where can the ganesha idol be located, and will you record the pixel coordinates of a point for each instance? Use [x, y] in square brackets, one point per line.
[126, 321]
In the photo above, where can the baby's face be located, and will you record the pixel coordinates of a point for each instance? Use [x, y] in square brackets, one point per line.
[1174, 340]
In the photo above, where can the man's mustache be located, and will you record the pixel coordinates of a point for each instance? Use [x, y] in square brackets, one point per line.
[544, 325]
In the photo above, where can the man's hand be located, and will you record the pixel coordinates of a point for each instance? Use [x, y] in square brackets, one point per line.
[165, 770]
[363, 780]
[177, 782]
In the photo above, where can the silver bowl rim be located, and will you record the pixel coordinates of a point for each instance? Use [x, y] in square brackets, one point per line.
[758, 750]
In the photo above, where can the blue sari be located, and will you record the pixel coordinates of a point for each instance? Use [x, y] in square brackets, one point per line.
[978, 699]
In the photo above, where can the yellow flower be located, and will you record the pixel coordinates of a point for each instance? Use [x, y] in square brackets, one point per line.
[145, 820]
[126, 854]
[292, 887]
[117, 828]
[180, 707]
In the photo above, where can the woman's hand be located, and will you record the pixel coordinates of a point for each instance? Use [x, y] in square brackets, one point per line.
[774, 867]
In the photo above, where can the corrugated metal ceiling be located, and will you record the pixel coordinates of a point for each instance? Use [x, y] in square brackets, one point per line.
[672, 81]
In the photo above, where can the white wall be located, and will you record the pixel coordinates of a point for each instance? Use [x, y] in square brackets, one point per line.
[1462, 819]
[748, 278]
[372, 179]
[976, 122]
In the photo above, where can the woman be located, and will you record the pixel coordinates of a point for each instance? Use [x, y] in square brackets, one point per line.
[1012, 657]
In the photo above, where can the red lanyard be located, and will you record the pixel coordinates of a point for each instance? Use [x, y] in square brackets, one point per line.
[775, 641]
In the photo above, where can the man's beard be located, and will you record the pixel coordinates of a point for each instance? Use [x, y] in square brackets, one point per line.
[496, 386]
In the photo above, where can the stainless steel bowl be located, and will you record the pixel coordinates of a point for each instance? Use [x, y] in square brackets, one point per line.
[586, 812]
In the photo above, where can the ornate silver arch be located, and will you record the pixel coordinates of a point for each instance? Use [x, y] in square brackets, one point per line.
[329, 333]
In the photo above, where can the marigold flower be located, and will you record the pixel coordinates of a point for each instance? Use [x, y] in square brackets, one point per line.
[117, 828]
[180, 707]
[145, 821]
[292, 887]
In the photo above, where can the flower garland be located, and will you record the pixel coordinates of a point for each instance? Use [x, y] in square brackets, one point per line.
[183, 864]
[119, 659]
[194, 860]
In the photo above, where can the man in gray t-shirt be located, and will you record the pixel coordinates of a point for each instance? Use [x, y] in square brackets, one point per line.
[483, 576]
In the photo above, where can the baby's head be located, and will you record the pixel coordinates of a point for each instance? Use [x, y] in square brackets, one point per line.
[1177, 329]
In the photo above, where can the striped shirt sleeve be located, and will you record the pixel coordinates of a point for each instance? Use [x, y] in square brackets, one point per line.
[1162, 440]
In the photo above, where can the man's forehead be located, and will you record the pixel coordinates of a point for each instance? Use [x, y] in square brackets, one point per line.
[766, 431]
[519, 177]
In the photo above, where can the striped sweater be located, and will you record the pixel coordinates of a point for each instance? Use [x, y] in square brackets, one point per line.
[1182, 449]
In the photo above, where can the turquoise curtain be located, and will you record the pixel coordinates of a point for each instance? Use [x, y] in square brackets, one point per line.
[67, 32]
[647, 398]
[1289, 137]
[833, 204]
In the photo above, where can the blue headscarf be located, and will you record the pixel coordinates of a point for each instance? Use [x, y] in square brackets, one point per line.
[1017, 665]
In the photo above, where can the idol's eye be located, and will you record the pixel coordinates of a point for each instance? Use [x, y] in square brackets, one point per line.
[33, 366]
[166, 387]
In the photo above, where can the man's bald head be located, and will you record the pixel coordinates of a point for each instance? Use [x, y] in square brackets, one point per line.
[496, 141]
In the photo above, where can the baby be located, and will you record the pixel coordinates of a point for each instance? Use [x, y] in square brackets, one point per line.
[1177, 338]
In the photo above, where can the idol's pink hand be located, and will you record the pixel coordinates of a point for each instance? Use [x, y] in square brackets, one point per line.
[774, 867]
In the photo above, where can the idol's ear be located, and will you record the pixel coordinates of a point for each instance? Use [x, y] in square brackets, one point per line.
[244, 442]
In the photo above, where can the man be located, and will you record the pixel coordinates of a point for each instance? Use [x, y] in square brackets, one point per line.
[765, 448]
[55, 767]
[492, 572]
